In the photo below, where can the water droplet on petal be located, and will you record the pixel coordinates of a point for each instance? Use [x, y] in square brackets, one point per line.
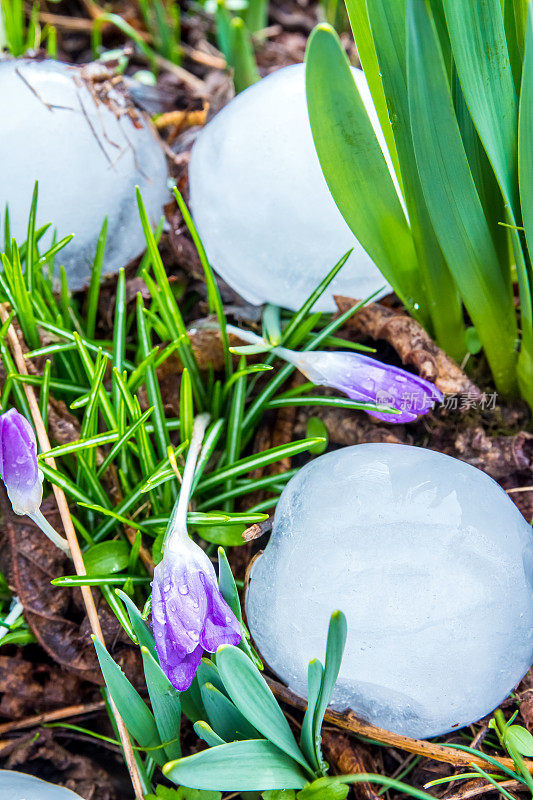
[184, 589]
[194, 635]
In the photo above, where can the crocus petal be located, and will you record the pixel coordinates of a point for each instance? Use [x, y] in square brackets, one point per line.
[367, 380]
[221, 626]
[18, 462]
[188, 612]
[181, 675]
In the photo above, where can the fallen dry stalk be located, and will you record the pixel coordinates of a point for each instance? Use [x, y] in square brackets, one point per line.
[72, 539]
[348, 721]
[51, 716]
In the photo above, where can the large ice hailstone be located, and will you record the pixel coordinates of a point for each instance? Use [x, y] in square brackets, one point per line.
[88, 155]
[432, 565]
[263, 209]
[19, 786]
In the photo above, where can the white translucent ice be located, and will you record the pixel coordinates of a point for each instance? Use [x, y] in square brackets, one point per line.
[432, 565]
[87, 161]
[19, 786]
[264, 212]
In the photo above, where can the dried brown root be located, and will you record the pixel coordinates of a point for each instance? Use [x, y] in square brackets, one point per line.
[412, 343]
[498, 456]
[348, 757]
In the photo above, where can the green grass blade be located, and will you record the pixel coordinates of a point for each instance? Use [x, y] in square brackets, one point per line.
[94, 285]
[213, 294]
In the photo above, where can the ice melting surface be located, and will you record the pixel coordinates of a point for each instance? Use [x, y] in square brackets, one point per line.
[87, 161]
[19, 786]
[261, 204]
[432, 565]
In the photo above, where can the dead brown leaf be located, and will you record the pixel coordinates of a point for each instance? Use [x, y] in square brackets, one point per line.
[56, 615]
[48, 760]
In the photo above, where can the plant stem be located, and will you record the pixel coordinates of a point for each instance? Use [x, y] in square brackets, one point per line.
[40, 520]
[177, 528]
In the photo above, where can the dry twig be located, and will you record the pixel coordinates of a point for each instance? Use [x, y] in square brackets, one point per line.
[348, 721]
[72, 539]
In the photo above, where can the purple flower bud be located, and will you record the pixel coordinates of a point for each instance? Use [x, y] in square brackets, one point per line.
[189, 615]
[18, 463]
[367, 380]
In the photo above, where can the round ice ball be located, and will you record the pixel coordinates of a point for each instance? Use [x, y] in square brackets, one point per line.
[432, 565]
[19, 786]
[87, 153]
[262, 207]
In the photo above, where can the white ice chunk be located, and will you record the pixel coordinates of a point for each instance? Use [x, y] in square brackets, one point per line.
[262, 206]
[19, 786]
[432, 565]
[87, 158]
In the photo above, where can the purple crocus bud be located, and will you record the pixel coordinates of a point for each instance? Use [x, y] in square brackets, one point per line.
[189, 615]
[363, 379]
[18, 463]
[367, 380]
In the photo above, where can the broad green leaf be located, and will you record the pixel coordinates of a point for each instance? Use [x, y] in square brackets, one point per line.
[358, 15]
[314, 683]
[316, 427]
[106, 557]
[207, 734]
[514, 35]
[388, 21]
[525, 135]
[182, 793]
[191, 703]
[324, 789]
[229, 592]
[140, 628]
[452, 199]
[519, 739]
[224, 535]
[166, 704]
[252, 696]
[525, 171]
[279, 794]
[137, 717]
[334, 649]
[362, 777]
[240, 766]
[477, 35]
[226, 720]
[484, 178]
[208, 673]
[355, 168]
